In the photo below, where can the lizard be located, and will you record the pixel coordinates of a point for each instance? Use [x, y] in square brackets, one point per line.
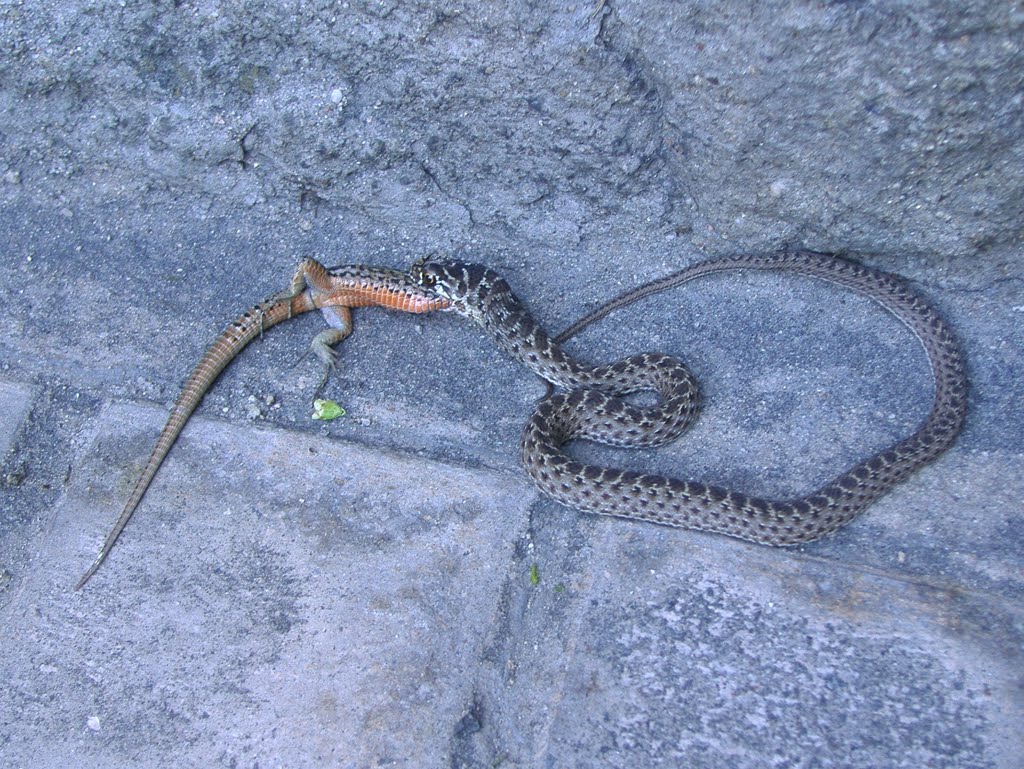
[334, 291]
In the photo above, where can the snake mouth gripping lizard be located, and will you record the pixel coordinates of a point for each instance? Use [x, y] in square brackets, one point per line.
[334, 291]
[589, 405]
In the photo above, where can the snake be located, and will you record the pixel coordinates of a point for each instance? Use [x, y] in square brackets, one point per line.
[588, 402]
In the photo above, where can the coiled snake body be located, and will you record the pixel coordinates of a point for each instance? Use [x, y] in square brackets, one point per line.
[589, 406]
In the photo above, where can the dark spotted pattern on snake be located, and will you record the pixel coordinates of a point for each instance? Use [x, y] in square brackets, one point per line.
[590, 405]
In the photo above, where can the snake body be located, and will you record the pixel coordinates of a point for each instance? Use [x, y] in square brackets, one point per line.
[589, 405]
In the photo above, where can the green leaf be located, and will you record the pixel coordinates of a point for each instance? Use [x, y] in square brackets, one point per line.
[534, 575]
[327, 410]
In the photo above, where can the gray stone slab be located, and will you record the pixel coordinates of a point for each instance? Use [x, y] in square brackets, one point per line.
[666, 649]
[720, 656]
[276, 595]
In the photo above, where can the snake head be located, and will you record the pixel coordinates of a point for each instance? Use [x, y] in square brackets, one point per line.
[467, 286]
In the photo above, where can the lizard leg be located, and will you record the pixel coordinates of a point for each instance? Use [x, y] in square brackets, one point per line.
[309, 274]
[339, 318]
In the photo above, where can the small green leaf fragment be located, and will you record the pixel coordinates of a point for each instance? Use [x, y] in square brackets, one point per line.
[327, 410]
[534, 575]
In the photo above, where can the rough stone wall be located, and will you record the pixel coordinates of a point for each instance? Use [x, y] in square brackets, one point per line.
[879, 127]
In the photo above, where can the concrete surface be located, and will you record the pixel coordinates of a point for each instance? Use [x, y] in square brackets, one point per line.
[388, 589]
